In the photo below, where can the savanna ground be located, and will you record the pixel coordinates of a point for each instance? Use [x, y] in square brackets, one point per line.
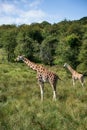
[21, 108]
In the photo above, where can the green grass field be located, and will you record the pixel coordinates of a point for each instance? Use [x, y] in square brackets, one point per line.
[21, 108]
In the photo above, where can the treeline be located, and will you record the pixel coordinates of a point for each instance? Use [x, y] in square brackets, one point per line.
[47, 43]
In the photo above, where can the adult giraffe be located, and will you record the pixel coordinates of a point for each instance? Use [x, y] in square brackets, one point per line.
[43, 75]
[75, 75]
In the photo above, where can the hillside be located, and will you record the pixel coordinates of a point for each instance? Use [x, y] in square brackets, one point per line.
[22, 109]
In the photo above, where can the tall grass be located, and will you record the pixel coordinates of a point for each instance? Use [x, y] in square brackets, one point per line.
[21, 108]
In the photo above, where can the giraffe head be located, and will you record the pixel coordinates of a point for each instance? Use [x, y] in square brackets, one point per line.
[65, 65]
[19, 58]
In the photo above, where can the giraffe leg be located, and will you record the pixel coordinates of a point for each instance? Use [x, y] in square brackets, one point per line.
[73, 81]
[41, 84]
[54, 92]
[82, 81]
[82, 84]
[54, 95]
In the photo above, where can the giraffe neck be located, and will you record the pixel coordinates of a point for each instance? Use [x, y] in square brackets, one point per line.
[30, 64]
[70, 69]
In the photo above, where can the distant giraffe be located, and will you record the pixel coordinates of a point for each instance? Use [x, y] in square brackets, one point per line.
[43, 75]
[75, 75]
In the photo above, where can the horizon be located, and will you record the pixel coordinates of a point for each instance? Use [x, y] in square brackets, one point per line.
[44, 21]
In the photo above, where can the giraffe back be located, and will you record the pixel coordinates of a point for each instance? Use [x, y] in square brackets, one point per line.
[47, 76]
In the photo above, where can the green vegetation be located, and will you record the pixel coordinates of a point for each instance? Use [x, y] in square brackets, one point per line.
[21, 108]
[20, 105]
[46, 43]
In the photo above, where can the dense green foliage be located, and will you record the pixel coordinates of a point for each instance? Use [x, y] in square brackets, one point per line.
[48, 43]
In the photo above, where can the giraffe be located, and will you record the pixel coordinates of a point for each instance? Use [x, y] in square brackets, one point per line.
[75, 75]
[43, 75]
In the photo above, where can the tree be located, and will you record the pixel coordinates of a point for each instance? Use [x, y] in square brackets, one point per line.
[9, 43]
[47, 50]
[35, 33]
[24, 46]
[83, 57]
[74, 44]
